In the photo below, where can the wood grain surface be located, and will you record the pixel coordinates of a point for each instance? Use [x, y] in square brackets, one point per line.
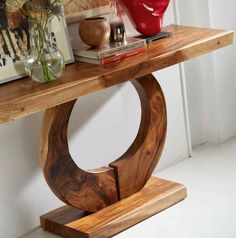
[134, 168]
[94, 190]
[156, 196]
[87, 190]
[24, 97]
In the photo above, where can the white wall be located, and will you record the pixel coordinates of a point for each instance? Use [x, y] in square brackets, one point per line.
[222, 15]
[102, 126]
[210, 80]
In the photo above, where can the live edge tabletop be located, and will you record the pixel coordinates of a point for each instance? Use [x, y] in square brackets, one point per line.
[24, 97]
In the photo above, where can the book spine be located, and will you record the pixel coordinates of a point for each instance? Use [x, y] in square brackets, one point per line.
[122, 49]
[122, 55]
[91, 55]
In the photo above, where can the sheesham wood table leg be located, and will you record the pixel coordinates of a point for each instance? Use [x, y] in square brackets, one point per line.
[106, 201]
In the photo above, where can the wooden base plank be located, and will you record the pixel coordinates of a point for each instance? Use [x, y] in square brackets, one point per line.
[156, 196]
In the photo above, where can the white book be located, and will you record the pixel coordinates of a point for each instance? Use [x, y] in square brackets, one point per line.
[109, 50]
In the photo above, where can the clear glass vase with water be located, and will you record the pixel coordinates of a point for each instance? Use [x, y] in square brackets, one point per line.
[44, 62]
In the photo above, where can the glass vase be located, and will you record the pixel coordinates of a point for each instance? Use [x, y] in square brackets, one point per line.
[116, 23]
[44, 62]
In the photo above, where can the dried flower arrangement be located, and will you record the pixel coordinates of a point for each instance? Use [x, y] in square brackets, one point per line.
[44, 10]
[39, 13]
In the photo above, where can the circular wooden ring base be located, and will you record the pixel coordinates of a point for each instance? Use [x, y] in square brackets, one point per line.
[93, 190]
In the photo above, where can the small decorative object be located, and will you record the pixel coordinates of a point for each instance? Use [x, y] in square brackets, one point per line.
[146, 15]
[44, 62]
[116, 23]
[18, 20]
[94, 31]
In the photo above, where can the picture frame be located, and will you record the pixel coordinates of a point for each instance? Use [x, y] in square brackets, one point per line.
[14, 70]
[77, 9]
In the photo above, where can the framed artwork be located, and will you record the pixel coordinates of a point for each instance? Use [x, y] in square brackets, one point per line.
[77, 9]
[15, 42]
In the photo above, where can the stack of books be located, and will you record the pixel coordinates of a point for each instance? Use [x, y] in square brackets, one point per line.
[111, 52]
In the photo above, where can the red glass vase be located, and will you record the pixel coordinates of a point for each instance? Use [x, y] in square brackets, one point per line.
[146, 15]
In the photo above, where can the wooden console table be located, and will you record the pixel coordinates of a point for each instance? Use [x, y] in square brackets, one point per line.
[106, 201]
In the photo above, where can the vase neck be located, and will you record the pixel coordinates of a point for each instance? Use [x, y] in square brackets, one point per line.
[40, 33]
[115, 16]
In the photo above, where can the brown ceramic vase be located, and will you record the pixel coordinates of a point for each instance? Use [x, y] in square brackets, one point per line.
[94, 31]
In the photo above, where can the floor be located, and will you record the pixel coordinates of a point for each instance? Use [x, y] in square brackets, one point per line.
[210, 208]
